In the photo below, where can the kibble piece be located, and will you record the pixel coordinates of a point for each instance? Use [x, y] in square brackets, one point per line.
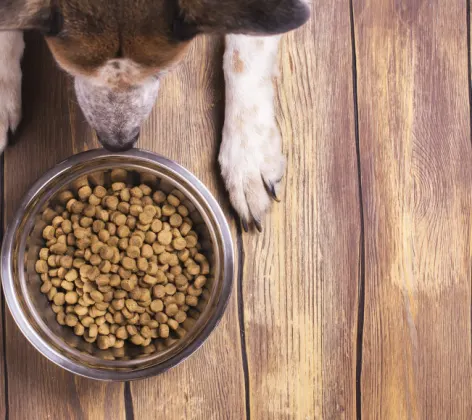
[118, 186]
[79, 329]
[200, 282]
[100, 191]
[123, 231]
[59, 299]
[171, 309]
[164, 237]
[106, 252]
[146, 251]
[191, 300]
[170, 289]
[104, 328]
[157, 248]
[164, 331]
[173, 324]
[157, 306]
[41, 267]
[71, 320]
[103, 342]
[137, 339]
[71, 297]
[96, 296]
[125, 194]
[175, 220]
[84, 192]
[136, 241]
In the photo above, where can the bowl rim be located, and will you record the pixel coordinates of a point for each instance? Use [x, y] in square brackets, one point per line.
[7, 271]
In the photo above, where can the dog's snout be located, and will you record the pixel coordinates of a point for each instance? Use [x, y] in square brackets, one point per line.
[119, 142]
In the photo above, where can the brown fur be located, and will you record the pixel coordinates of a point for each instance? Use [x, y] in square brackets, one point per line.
[84, 34]
[95, 32]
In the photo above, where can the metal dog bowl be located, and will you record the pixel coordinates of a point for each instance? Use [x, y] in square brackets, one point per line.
[33, 313]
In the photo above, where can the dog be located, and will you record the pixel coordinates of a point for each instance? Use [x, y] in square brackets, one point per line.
[118, 50]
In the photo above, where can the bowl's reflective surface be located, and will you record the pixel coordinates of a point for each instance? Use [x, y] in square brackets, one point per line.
[30, 308]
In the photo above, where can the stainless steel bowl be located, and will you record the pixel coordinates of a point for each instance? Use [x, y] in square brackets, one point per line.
[30, 308]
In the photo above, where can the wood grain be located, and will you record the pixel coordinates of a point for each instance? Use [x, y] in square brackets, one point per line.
[37, 389]
[186, 126]
[414, 127]
[301, 275]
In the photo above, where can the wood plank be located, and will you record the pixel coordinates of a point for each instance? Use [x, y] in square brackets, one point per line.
[37, 389]
[186, 126]
[301, 275]
[416, 153]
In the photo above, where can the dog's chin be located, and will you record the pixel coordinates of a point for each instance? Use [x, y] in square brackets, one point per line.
[117, 147]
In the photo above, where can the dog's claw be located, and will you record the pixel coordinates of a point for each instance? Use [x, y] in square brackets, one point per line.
[245, 225]
[270, 187]
[258, 225]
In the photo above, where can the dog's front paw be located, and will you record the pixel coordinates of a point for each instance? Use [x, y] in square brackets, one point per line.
[11, 50]
[10, 110]
[252, 166]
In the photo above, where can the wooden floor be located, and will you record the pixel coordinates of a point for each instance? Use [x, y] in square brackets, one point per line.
[355, 302]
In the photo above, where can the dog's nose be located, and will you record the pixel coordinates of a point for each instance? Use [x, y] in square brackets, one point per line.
[119, 143]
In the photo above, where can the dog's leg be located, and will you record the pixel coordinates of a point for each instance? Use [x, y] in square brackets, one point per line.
[251, 158]
[11, 51]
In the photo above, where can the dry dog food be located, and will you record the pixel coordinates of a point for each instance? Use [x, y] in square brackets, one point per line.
[122, 263]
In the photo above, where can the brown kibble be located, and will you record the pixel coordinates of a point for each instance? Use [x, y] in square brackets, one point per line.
[150, 237]
[122, 333]
[146, 251]
[164, 237]
[59, 299]
[41, 267]
[136, 241]
[103, 343]
[84, 193]
[71, 297]
[100, 191]
[193, 269]
[125, 195]
[145, 218]
[164, 331]
[159, 291]
[170, 289]
[175, 220]
[191, 300]
[173, 324]
[79, 329]
[200, 282]
[61, 318]
[179, 244]
[171, 309]
[106, 252]
[137, 339]
[157, 306]
[71, 320]
[159, 197]
[118, 186]
[123, 231]
[96, 296]
[191, 241]
[168, 210]
[128, 263]
[180, 317]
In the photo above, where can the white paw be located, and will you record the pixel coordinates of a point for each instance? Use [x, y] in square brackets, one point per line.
[11, 50]
[252, 165]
